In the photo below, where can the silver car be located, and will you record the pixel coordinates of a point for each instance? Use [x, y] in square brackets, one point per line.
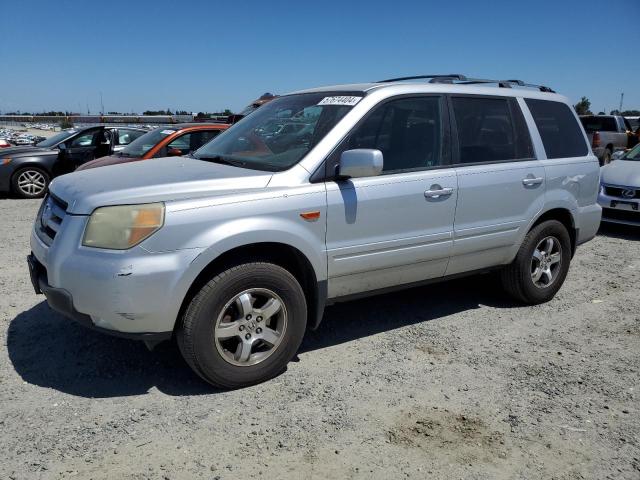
[620, 189]
[236, 250]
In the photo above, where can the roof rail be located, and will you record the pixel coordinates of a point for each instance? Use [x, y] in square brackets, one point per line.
[463, 80]
[434, 78]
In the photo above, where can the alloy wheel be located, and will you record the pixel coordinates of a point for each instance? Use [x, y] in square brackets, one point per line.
[546, 262]
[250, 327]
[31, 182]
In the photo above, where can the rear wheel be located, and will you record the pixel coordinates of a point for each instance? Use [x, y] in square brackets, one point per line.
[244, 325]
[30, 182]
[541, 265]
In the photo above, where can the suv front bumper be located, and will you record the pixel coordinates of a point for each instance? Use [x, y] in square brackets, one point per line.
[62, 302]
[133, 293]
[619, 210]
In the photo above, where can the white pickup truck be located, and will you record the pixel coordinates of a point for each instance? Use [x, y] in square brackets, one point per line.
[607, 134]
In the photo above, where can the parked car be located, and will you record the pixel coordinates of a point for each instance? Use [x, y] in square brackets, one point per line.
[238, 249]
[27, 171]
[252, 107]
[620, 189]
[607, 134]
[5, 143]
[162, 142]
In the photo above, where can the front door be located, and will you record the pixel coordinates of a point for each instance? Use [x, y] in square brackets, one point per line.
[82, 148]
[395, 228]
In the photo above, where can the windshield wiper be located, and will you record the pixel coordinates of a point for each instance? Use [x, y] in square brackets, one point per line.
[222, 160]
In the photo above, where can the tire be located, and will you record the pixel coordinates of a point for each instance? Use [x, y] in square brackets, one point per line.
[30, 182]
[606, 158]
[519, 278]
[221, 358]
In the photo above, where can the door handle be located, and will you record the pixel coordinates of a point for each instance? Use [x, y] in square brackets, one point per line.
[436, 192]
[530, 181]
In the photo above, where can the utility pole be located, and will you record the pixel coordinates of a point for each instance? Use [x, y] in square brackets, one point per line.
[101, 105]
[621, 98]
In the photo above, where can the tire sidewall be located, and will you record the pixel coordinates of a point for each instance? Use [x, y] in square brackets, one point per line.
[210, 361]
[19, 192]
[550, 228]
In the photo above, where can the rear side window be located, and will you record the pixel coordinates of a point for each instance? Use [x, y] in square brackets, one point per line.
[490, 130]
[560, 133]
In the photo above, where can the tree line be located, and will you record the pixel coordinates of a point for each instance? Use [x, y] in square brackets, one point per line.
[583, 107]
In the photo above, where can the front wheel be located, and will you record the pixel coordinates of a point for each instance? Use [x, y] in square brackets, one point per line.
[30, 182]
[541, 265]
[244, 325]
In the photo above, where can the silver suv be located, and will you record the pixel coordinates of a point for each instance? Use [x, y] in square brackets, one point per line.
[237, 249]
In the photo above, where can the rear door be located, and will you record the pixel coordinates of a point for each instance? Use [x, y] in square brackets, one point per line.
[501, 184]
[395, 228]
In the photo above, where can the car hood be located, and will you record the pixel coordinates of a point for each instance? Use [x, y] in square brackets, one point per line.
[105, 161]
[625, 173]
[163, 179]
[24, 151]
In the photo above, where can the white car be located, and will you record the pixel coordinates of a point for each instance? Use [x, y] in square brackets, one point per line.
[620, 189]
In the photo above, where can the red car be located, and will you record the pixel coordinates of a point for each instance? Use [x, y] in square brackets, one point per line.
[162, 142]
[4, 143]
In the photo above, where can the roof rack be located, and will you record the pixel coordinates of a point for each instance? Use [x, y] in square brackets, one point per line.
[463, 80]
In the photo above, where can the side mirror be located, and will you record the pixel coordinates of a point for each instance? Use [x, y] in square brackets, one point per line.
[62, 147]
[174, 152]
[360, 162]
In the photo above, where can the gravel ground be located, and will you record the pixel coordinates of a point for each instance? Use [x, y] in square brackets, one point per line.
[446, 381]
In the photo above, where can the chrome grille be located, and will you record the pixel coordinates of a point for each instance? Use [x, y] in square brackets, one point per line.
[50, 217]
[622, 192]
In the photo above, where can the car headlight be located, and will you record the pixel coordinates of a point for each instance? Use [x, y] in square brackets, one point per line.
[123, 226]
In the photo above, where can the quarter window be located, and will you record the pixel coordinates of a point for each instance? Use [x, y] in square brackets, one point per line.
[490, 130]
[407, 131]
[561, 135]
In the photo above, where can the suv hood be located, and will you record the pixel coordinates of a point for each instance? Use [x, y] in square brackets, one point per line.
[162, 179]
[625, 173]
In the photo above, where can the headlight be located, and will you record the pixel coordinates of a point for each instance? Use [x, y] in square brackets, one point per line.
[123, 226]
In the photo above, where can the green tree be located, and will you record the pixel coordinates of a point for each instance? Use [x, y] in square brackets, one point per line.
[583, 107]
[66, 123]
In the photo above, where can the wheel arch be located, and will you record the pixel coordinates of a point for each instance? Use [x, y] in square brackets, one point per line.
[282, 254]
[564, 216]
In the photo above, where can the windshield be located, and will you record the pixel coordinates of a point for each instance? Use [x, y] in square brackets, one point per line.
[633, 154]
[56, 139]
[279, 134]
[146, 142]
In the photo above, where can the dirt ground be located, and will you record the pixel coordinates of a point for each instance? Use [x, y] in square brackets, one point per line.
[446, 381]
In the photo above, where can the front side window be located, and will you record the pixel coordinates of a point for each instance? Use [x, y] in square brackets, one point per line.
[279, 134]
[86, 139]
[490, 130]
[558, 128]
[407, 131]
